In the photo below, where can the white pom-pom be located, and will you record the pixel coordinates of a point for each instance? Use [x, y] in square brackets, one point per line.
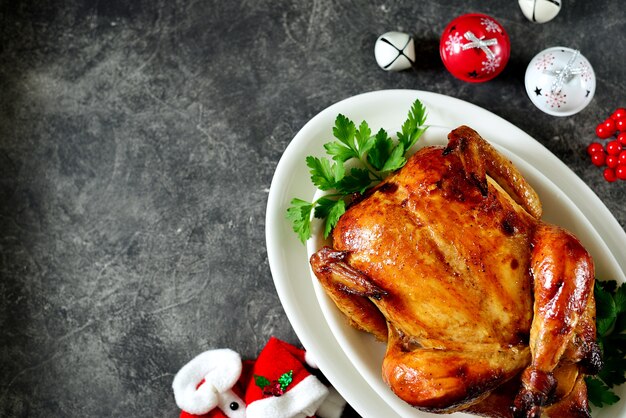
[219, 369]
[310, 360]
[394, 51]
[540, 11]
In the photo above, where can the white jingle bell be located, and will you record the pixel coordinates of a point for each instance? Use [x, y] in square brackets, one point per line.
[540, 11]
[394, 51]
[560, 81]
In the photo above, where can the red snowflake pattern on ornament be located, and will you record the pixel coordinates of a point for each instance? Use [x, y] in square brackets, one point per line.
[544, 61]
[454, 44]
[556, 99]
[586, 71]
[491, 64]
[490, 25]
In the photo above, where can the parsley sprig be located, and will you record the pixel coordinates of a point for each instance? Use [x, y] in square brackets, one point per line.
[374, 157]
[611, 333]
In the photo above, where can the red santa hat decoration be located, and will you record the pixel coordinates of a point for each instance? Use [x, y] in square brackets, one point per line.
[277, 385]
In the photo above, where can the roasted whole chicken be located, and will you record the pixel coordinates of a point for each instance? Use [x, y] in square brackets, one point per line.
[485, 308]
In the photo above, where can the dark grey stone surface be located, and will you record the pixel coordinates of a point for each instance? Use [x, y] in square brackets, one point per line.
[137, 144]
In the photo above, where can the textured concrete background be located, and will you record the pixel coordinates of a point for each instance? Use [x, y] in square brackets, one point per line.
[137, 144]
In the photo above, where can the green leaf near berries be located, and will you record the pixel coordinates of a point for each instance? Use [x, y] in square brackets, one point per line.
[285, 379]
[261, 381]
[610, 328]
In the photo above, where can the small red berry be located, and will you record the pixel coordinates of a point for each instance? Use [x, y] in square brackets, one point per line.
[620, 172]
[598, 159]
[602, 132]
[609, 124]
[609, 175]
[613, 147]
[596, 147]
[622, 138]
[620, 124]
[611, 161]
[621, 158]
[619, 113]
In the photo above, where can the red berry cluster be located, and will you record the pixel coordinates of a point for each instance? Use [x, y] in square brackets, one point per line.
[613, 155]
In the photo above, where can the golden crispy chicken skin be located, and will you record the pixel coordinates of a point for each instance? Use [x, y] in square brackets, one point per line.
[485, 308]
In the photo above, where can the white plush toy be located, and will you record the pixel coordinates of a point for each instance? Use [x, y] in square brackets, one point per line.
[278, 384]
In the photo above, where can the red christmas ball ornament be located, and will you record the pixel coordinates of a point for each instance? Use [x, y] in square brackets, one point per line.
[474, 47]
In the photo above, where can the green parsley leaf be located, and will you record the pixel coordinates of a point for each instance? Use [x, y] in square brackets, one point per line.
[413, 127]
[612, 372]
[376, 156]
[619, 326]
[344, 130]
[299, 213]
[620, 299]
[396, 159]
[606, 313]
[380, 151]
[331, 210]
[364, 139]
[604, 325]
[354, 142]
[340, 152]
[324, 174]
[599, 394]
[333, 217]
[610, 327]
[357, 181]
[323, 207]
[607, 285]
